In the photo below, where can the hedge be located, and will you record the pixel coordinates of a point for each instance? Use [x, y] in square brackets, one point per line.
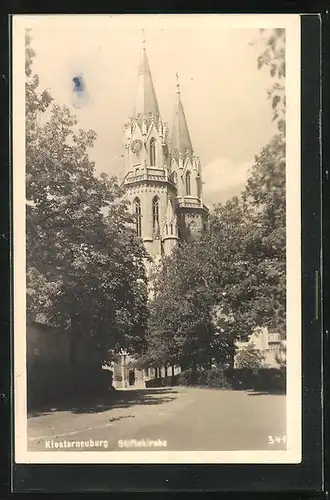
[265, 379]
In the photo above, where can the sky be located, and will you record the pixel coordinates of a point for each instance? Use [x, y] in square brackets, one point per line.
[223, 92]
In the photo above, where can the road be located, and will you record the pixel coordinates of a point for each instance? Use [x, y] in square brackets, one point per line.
[186, 418]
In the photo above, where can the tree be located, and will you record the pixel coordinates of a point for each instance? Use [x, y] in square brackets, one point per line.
[183, 326]
[273, 57]
[245, 250]
[265, 191]
[249, 358]
[236, 268]
[85, 265]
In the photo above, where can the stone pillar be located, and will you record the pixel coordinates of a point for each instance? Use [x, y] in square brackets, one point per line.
[123, 371]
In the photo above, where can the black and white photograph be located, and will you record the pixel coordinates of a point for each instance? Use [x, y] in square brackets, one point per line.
[156, 187]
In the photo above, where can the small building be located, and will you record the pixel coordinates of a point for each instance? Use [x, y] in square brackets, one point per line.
[128, 373]
[270, 344]
[60, 367]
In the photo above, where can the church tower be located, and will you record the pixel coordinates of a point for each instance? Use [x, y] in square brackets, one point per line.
[149, 183]
[162, 181]
[187, 174]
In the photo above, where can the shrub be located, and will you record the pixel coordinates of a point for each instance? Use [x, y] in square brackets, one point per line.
[216, 378]
[153, 382]
[271, 379]
[184, 378]
[190, 378]
[169, 381]
[241, 378]
[264, 379]
[201, 378]
[249, 358]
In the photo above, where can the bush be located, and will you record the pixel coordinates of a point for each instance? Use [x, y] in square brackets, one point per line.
[185, 378]
[249, 358]
[264, 379]
[153, 382]
[271, 379]
[211, 378]
[241, 378]
[217, 378]
[169, 381]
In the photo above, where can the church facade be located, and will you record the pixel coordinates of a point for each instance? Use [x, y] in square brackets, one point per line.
[162, 182]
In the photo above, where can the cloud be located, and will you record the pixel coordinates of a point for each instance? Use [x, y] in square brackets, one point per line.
[223, 179]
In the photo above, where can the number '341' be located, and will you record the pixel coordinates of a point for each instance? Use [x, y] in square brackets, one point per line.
[276, 440]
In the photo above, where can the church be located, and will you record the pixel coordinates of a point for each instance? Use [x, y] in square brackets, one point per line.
[162, 182]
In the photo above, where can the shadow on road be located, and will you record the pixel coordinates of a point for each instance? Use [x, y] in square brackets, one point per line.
[274, 392]
[115, 399]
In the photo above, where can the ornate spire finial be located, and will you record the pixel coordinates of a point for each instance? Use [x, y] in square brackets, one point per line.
[177, 83]
[143, 39]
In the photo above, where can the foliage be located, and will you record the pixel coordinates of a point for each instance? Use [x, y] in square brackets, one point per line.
[194, 378]
[249, 358]
[229, 281]
[263, 379]
[181, 324]
[232, 279]
[85, 266]
[265, 192]
[273, 57]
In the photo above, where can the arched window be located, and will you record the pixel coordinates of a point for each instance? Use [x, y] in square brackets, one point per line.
[188, 184]
[137, 211]
[153, 152]
[155, 213]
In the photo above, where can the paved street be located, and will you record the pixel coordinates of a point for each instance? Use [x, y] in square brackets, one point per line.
[187, 418]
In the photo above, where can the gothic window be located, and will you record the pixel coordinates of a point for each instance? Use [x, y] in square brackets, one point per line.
[153, 152]
[137, 211]
[188, 185]
[155, 213]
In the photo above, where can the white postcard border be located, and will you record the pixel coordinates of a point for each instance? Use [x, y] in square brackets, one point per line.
[294, 432]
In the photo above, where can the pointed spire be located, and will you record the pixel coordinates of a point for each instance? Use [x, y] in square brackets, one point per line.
[181, 141]
[146, 101]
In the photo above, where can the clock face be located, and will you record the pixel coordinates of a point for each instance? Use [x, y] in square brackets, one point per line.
[136, 146]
